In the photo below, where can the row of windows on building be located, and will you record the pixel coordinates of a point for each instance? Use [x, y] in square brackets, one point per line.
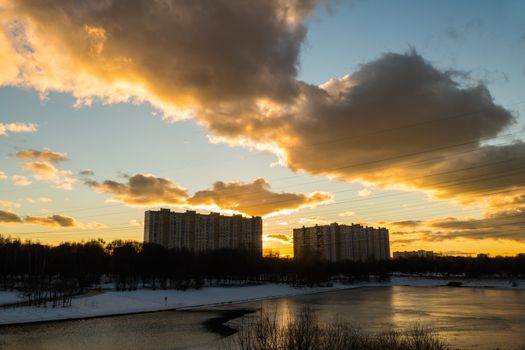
[336, 242]
[199, 232]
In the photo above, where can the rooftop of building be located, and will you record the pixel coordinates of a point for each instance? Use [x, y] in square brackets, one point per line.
[342, 225]
[194, 212]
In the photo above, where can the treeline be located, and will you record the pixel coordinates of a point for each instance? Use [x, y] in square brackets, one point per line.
[479, 266]
[51, 275]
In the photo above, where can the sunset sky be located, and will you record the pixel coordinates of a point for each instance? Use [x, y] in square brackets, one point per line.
[404, 114]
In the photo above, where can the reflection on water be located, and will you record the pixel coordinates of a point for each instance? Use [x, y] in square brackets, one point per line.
[466, 318]
[161, 330]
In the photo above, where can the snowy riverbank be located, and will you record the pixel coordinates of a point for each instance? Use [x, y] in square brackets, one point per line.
[145, 300]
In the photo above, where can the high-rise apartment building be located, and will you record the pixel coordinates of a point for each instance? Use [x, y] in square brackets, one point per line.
[336, 242]
[201, 232]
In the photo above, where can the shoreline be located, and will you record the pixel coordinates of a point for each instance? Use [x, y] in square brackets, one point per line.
[193, 308]
[148, 301]
[218, 325]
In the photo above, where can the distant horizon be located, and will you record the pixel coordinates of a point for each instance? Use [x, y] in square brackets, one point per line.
[270, 251]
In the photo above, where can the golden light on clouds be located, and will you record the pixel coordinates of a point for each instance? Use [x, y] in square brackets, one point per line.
[10, 217]
[255, 198]
[44, 155]
[45, 171]
[8, 128]
[396, 122]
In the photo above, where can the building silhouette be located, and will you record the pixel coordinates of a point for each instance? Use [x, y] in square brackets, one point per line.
[336, 242]
[414, 254]
[203, 232]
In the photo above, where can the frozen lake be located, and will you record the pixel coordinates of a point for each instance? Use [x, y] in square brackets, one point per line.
[467, 318]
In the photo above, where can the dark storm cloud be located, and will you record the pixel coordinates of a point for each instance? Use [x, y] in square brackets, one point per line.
[383, 123]
[485, 171]
[179, 50]
[232, 66]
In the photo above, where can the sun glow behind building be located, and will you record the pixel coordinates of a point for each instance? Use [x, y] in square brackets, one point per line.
[231, 113]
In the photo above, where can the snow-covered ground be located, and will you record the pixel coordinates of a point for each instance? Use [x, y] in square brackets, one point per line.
[116, 303]
[8, 297]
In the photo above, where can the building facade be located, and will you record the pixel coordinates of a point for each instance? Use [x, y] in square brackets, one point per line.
[336, 242]
[203, 232]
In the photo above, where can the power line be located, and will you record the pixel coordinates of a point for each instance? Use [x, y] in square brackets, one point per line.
[464, 231]
[386, 159]
[400, 127]
[355, 200]
[474, 180]
[266, 231]
[323, 180]
[412, 212]
[476, 140]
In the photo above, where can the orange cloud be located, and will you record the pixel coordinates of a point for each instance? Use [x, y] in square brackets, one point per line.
[5, 129]
[279, 238]
[44, 155]
[20, 180]
[395, 121]
[39, 200]
[238, 77]
[406, 223]
[7, 216]
[142, 189]
[45, 171]
[237, 49]
[9, 204]
[56, 220]
[504, 222]
[255, 198]
[53, 220]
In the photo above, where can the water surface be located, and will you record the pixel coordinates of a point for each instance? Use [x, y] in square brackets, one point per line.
[167, 330]
[467, 318]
